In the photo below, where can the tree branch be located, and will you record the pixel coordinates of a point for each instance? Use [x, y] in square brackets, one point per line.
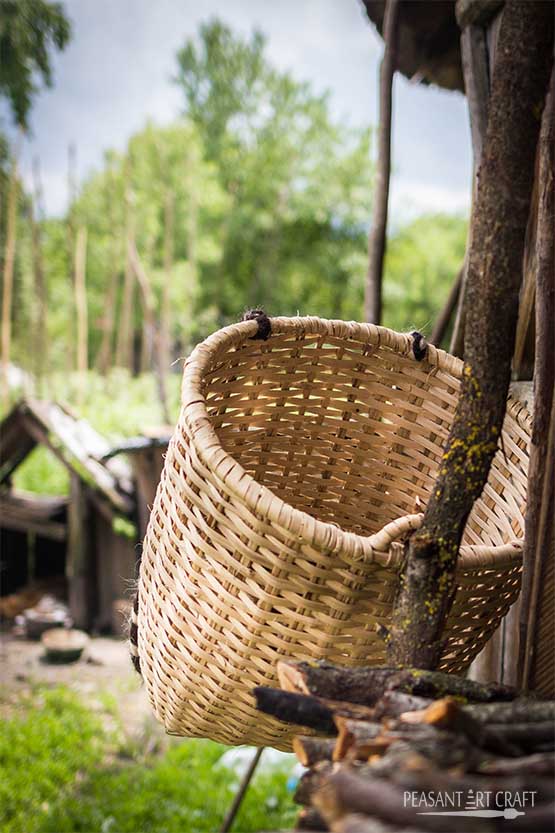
[521, 75]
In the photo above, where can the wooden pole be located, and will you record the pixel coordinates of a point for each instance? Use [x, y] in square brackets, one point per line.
[124, 346]
[71, 357]
[81, 307]
[166, 316]
[236, 803]
[40, 289]
[378, 230]
[104, 358]
[7, 290]
[444, 317]
[477, 62]
[523, 68]
[541, 468]
[149, 312]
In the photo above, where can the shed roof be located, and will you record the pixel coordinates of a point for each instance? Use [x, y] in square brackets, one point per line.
[429, 41]
[74, 442]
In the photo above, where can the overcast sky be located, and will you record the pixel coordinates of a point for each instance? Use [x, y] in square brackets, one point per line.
[117, 72]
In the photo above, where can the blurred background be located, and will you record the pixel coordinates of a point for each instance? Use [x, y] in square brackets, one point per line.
[163, 167]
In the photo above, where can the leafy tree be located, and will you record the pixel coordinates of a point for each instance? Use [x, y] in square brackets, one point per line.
[422, 262]
[29, 30]
[298, 183]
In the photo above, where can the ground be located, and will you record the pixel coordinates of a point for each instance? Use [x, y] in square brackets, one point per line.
[80, 752]
[104, 668]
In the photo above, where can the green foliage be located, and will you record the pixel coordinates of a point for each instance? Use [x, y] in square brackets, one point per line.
[63, 774]
[29, 30]
[422, 262]
[43, 473]
[299, 184]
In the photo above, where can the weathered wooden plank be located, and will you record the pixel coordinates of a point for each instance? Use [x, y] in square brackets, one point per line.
[24, 514]
[477, 12]
[80, 558]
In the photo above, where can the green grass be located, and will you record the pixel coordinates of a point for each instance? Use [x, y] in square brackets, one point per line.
[62, 772]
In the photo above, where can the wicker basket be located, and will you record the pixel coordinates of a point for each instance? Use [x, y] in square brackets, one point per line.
[296, 464]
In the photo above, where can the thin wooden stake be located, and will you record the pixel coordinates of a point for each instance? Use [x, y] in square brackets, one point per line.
[378, 230]
[166, 316]
[7, 293]
[540, 475]
[81, 307]
[240, 794]
[40, 289]
[149, 313]
[444, 317]
[124, 346]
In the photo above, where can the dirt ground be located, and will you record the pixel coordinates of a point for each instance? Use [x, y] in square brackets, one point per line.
[104, 669]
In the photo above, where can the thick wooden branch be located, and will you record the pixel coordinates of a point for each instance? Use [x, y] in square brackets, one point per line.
[364, 686]
[523, 66]
[315, 712]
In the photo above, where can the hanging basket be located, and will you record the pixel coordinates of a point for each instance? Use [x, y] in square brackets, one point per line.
[298, 466]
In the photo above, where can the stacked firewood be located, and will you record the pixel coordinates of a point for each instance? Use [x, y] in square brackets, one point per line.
[394, 750]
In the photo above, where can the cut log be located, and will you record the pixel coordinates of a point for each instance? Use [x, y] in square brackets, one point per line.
[528, 737]
[367, 686]
[395, 703]
[304, 710]
[519, 711]
[539, 764]
[448, 714]
[357, 737]
[357, 823]
[310, 750]
[434, 684]
[310, 782]
[310, 819]
[364, 686]
[342, 793]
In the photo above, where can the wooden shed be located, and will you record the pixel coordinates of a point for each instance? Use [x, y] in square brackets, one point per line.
[90, 536]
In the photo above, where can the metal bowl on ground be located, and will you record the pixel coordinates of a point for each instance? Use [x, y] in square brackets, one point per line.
[64, 644]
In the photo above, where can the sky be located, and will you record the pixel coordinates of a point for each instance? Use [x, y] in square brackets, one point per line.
[116, 73]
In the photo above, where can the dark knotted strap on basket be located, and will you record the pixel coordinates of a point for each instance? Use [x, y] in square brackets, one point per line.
[133, 635]
[419, 346]
[264, 324]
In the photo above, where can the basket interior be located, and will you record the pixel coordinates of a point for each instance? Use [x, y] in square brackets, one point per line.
[352, 433]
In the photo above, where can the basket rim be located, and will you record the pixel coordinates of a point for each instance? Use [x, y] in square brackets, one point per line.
[261, 500]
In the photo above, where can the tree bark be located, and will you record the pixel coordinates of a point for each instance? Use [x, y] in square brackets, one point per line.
[7, 289]
[536, 552]
[378, 230]
[500, 214]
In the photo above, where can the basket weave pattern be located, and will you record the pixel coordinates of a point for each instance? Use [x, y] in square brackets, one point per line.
[296, 470]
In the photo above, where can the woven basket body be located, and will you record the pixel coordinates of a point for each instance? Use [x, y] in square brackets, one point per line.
[296, 466]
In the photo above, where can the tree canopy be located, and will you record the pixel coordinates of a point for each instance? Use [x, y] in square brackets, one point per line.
[270, 204]
[29, 31]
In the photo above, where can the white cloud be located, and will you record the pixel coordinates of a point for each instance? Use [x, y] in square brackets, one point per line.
[409, 199]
